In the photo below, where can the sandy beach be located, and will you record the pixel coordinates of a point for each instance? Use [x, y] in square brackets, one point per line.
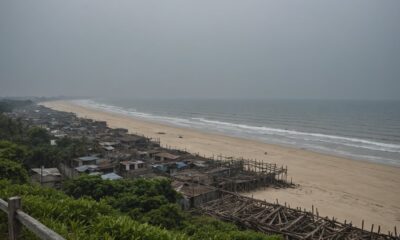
[339, 187]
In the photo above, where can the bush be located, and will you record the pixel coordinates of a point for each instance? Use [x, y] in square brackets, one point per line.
[38, 136]
[95, 187]
[124, 228]
[13, 171]
[201, 227]
[169, 216]
[14, 152]
[92, 186]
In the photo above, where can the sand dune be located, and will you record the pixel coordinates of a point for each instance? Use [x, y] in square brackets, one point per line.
[344, 188]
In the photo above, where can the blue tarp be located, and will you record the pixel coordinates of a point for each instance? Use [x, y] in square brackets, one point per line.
[180, 165]
[160, 167]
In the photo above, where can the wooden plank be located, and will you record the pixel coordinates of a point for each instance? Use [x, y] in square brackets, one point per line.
[314, 231]
[293, 222]
[270, 214]
[14, 227]
[37, 227]
[3, 206]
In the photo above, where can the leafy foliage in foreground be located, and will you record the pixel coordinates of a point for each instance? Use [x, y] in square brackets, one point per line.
[78, 218]
[153, 201]
[87, 219]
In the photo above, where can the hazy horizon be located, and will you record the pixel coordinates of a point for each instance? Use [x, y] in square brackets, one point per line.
[201, 49]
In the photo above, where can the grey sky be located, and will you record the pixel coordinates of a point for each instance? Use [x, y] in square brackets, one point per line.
[203, 48]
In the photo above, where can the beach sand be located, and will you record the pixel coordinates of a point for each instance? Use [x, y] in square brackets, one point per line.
[339, 187]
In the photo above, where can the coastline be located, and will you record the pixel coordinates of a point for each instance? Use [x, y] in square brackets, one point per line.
[339, 187]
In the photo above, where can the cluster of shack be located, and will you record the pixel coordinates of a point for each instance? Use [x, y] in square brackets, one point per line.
[117, 154]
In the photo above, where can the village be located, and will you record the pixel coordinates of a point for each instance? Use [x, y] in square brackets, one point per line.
[209, 185]
[117, 154]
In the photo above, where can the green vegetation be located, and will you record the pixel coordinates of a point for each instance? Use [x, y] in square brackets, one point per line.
[13, 171]
[92, 208]
[31, 147]
[86, 218]
[78, 218]
[7, 105]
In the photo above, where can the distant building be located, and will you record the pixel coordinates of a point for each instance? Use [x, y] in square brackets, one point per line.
[88, 160]
[49, 177]
[194, 194]
[165, 156]
[132, 165]
[132, 169]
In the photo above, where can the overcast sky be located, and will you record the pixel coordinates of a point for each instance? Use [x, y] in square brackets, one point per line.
[201, 49]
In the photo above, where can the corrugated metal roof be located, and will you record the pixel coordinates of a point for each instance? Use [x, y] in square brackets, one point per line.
[86, 167]
[167, 155]
[47, 171]
[111, 176]
[89, 158]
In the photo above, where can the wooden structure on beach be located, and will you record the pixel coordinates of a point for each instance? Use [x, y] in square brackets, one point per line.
[244, 175]
[202, 184]
[291, 223]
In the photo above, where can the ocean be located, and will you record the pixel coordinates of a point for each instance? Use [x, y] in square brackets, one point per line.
[361, 130]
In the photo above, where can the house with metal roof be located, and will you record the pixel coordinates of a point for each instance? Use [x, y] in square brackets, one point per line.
[87, 160]
[165, 156]
[50, 177]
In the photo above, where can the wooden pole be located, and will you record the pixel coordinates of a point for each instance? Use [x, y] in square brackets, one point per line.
[362, 225]
[14, 226]
[41, 175]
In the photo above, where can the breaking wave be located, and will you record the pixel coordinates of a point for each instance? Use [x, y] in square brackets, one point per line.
[338, 145]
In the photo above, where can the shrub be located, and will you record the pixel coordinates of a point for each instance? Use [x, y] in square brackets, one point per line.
[13, 171]
[169, 216]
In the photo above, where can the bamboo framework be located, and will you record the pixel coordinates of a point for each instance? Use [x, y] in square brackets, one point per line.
[247, 175]
[291, 223]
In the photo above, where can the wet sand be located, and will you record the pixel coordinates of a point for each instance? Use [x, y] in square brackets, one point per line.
[339, 187]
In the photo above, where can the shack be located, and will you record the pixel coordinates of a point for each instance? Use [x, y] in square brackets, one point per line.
[194, 194]
[49, 177]
[131, 165]
[132, 169]
[87, 160]
[165, 156]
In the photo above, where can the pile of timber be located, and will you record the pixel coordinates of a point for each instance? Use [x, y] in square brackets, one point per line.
[277, 219]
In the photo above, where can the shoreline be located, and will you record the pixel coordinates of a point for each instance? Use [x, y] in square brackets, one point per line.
[340, 187]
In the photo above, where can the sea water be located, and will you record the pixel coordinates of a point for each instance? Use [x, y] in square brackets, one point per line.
[361, 130]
